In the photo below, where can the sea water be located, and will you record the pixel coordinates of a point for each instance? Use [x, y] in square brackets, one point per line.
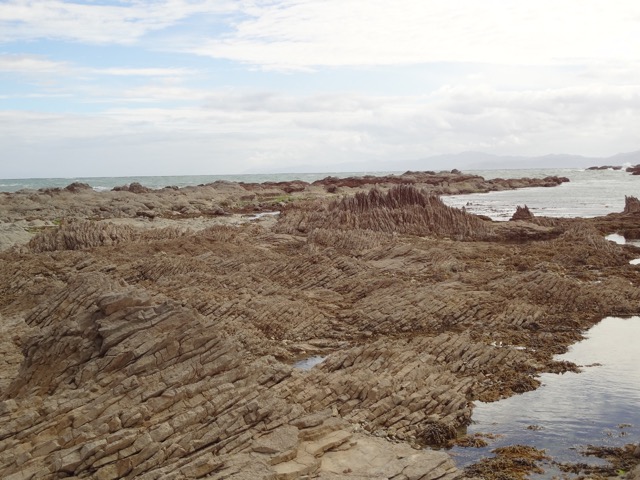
[107, 183]
[589, 193]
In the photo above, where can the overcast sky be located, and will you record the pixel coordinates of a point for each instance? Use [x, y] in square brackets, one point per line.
[162, 87]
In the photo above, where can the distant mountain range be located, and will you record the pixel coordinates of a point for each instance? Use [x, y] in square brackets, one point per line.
[472, 161]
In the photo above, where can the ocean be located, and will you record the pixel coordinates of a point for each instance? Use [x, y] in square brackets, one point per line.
[107, 183]
[589, 193]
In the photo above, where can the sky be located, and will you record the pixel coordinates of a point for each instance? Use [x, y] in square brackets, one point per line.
[206, 87]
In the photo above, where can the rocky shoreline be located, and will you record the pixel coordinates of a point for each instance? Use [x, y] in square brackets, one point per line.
[151, 333]
[633, 169]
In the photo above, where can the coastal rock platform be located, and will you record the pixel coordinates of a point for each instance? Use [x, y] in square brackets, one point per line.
[136, 349]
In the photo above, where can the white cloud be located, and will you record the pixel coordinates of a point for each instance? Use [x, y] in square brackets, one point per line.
[31, 64]
[273, 102]
[47, 78]
[122, 23]
[304, 34]
[143, 72]
[236, 131]
[294, 34]
[38, 65]
[530, 78]
[158, 93]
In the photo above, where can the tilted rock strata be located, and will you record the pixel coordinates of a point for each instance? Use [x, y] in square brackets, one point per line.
[82, 234]
[24, 213]
[159, 355]
[401, 210]
[631, 205]
[136, 388]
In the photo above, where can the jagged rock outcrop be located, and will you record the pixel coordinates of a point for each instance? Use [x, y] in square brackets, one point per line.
[77, 235]
[403, 210]
[594, 251]
[631, 205]
[76, 187]
[524, 226]
[522, 213]
[133, 187]
[81, 234]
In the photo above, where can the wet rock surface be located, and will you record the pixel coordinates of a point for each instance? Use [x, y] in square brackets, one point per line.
[135, 352]
[633, 170]
[518, 460]
[621, 462]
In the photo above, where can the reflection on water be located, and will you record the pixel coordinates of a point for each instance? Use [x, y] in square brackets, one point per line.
[621, 240]
[616, 238]
[309, 363]
[599, 406]
[259, 215]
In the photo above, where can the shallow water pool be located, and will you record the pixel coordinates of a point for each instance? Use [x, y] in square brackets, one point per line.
[621, 240]
[309, 363]
[599, 406]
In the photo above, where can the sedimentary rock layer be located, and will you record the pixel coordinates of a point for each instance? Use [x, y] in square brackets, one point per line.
[167, 353]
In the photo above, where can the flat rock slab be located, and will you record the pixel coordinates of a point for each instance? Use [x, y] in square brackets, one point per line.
[332, 440]
[303, 464]
[375, 458]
